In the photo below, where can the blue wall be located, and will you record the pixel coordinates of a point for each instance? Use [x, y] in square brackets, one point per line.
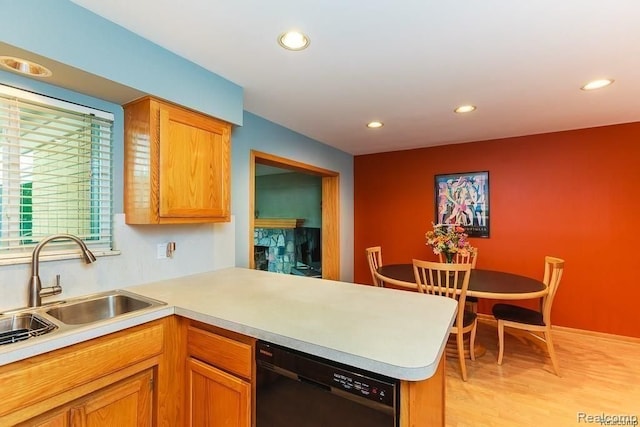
[262, 135]
[67, 33]
[290, 195]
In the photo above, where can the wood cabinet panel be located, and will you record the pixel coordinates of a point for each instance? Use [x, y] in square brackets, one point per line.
[422, 403]
[192, 155]
[56, 418]
[126, 404]
[177, 165]
[216, 398]
[170, 377]
[220, 382]
[34, 386]
[225, 353]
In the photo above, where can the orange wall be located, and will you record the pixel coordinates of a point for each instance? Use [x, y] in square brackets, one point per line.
[574, 195]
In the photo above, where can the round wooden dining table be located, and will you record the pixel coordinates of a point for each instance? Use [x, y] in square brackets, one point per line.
[482, 283]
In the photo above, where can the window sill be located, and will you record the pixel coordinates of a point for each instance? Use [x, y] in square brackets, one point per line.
[25, 258]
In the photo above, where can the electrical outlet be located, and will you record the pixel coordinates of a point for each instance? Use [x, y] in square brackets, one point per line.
[161, 251]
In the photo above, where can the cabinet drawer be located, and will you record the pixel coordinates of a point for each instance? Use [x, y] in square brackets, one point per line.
[225, 353]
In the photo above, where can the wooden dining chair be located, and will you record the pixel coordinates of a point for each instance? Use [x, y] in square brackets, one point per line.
[442, 279]
[470, 257]
[536, 322]
[374, 258]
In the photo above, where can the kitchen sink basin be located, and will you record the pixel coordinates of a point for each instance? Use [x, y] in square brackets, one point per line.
[100, 307]
[22, 326]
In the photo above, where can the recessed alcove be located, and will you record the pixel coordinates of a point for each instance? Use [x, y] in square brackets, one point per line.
[283, 245]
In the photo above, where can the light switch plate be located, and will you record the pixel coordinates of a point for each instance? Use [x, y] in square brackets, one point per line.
[161, 251]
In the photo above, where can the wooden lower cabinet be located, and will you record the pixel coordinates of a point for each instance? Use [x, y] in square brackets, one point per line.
[216, 398]
[125, 404]
[102, 382]
[220, 383]
[169, 372]
[219, 378]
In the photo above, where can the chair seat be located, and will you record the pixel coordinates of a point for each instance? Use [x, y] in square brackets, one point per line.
[518, 314]
[468, 318]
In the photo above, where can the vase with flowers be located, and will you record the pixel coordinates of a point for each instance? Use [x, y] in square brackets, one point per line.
[448, 240]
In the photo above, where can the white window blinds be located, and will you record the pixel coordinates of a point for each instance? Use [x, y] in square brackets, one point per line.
[55, 172]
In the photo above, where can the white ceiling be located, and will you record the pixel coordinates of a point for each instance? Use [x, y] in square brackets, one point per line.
[408, 63]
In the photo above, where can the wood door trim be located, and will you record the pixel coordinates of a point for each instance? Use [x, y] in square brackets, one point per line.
[282, 162]
[330, 207]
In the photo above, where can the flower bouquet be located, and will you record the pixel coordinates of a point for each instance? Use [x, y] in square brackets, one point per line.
[448, 240]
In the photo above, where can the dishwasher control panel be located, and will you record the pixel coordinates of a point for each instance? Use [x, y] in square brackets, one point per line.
[328, 374]
[363, 386]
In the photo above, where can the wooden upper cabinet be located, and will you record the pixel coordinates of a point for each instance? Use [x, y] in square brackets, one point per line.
[177, 165]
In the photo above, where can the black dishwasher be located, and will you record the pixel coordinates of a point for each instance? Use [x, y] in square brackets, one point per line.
[301, 390]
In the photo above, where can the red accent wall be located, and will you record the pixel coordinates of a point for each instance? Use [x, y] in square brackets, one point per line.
[573, 194]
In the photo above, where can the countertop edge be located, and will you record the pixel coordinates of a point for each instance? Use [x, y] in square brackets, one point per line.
[399, 372]
[421, 369]
[43, 345]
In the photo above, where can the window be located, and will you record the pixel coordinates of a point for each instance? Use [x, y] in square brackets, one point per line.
[55, 173]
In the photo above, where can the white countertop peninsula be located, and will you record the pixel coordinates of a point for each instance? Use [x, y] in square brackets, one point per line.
[396, 333]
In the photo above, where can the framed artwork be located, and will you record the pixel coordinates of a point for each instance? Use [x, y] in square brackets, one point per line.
[463, 198]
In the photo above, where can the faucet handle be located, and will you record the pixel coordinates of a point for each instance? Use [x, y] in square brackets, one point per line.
[52, 290]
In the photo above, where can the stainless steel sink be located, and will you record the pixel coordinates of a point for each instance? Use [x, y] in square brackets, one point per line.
[64, 316]
[100, 307]
[22, 326]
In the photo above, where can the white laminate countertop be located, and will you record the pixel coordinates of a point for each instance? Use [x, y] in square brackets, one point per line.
[395, 333]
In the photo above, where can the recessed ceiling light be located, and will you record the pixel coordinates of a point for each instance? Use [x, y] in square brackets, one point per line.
[375, 124]
[465, 109]
[293, 40]
[597, 84]
[25, 67]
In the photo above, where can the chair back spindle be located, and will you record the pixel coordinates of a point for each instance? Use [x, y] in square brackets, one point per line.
[470, 257]
[374, 259]
[553, 269]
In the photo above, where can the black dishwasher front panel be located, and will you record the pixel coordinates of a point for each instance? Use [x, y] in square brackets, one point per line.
[297, 389]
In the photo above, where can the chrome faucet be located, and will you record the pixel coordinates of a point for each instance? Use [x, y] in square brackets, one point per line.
[36, 291]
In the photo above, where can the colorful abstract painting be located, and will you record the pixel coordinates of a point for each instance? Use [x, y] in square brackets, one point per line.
[463, 198]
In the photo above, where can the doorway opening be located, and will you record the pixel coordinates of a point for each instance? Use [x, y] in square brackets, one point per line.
[329, 245]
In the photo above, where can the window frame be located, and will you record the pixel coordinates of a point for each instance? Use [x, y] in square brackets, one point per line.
[64, 250]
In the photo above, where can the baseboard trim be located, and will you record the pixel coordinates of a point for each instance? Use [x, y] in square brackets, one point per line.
[487, 318]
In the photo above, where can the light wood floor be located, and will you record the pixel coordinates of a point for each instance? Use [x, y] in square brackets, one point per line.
[599, 375]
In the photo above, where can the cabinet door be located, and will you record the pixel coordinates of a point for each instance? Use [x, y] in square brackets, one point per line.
[55, 418]
[194, 165]
[216, 398]
[59, 420]
[126, 404]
